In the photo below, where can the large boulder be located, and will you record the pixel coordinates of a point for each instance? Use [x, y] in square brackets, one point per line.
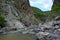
[57, 21]
[42, 35]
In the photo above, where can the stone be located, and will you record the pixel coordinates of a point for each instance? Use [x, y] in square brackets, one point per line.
[57, 18]
[26, 12]
[56, 27]
[42, 34]
[57, 21]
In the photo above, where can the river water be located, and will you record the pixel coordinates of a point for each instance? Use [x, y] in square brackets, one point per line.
[14, 36]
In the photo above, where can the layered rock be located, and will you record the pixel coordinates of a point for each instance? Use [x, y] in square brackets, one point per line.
[26, 15]
[23, 6]
[18, 10]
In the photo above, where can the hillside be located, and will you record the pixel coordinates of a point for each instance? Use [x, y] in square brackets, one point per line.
[44, 16]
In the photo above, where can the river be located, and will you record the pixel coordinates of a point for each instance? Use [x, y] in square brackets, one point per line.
[14, 36]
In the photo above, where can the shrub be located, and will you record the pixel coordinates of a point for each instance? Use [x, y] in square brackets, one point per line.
[40, 15]
[2, 22]
[56, 8]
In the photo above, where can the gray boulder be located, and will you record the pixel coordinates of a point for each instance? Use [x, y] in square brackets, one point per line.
[42, 34]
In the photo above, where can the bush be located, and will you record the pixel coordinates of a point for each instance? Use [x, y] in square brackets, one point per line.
[40, 15]
[46, 15]
[56, 8]
[2, 22]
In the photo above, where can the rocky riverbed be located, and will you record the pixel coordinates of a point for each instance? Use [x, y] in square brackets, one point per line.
[46, 31]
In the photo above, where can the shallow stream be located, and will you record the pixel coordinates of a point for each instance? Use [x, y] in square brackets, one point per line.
[14, 36]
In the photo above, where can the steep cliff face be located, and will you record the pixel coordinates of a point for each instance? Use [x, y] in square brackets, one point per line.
[26, 15]
[23, 5]
[17, 12]
[56, 2]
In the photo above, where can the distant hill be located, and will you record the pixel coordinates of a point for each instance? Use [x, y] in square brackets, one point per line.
[41, 15]
[46, 15]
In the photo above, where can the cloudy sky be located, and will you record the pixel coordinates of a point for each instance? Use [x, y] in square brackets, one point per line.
[44, 5]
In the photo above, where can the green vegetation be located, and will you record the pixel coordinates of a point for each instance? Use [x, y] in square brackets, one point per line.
[2, 22]
[56, 10]
[37, 12]
[43, 16]
[2, 19]
[40, 15]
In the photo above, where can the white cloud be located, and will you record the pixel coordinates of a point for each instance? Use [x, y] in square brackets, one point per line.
[47, 4]
[33, 3]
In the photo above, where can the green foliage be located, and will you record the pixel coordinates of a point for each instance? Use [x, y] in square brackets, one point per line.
[2, 22]
[56, 8]
[40, 15]
[2, 19]
[37, 12]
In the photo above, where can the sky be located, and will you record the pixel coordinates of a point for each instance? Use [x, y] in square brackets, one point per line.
[44, 5]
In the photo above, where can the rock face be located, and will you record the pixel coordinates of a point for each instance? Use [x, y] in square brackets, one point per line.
[56, 2]
[18, 13]
[57, 19]
[26, 15]
[23, 6]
